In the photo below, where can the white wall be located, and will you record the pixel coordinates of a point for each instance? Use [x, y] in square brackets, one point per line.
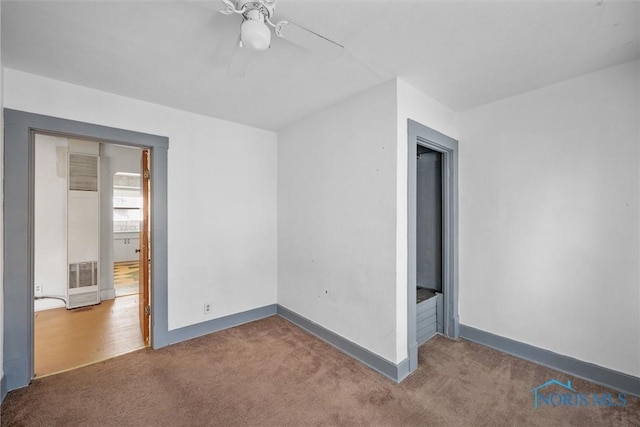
[549, 229]
[411, 104]
[221, 194]
[337, 219]
[50, 215]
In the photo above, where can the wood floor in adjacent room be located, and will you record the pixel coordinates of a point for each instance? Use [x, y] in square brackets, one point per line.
[66, 339]
[125, 277]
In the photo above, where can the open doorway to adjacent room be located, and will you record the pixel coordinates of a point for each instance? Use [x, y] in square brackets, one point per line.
[127, 205]
[20, 130]
[89, 218]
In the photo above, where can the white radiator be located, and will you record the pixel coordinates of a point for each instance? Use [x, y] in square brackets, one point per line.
[83, 223]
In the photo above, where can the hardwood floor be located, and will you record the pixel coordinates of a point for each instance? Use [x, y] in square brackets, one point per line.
[125, 277]
[66, 339]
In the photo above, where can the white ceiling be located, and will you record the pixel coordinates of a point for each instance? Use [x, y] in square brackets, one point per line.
[175, 53]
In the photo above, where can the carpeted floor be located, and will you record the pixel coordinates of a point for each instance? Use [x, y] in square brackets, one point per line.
[271, 373]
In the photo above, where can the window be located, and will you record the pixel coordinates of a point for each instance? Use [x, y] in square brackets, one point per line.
[127, 202]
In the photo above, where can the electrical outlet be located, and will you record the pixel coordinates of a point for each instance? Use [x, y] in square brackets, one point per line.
[38, 289]
[207, 308]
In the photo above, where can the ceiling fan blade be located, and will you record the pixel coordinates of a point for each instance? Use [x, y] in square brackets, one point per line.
[240, 60]
[309, 40]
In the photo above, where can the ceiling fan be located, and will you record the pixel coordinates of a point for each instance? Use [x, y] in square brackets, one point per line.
[255, 33]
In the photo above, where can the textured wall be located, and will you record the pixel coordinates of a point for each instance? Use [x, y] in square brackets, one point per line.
[336, 219]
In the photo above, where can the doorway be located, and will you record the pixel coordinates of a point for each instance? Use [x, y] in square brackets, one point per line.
[127, 221]
[79, 205]
[20, 129]
[432, 226]
[429, 296]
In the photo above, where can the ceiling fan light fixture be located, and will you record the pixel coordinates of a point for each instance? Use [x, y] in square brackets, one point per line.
[255, 34]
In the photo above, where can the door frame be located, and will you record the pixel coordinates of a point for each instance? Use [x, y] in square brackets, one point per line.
[419, 134]
[18, 244]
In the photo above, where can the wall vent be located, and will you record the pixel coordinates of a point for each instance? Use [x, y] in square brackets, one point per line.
[83, 284]
[82, 274]
[83, 172]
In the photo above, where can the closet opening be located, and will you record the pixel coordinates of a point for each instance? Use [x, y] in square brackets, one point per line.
[429, 245]
[432, 237]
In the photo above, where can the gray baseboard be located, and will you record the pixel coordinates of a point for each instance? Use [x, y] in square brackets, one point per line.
[585, 370]
[3, 388]
[395, 372]
[215, 325]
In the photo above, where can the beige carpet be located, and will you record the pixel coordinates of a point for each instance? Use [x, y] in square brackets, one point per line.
[271, 373]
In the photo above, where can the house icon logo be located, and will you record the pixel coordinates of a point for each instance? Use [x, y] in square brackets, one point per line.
[537, 391]
[565, 395]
